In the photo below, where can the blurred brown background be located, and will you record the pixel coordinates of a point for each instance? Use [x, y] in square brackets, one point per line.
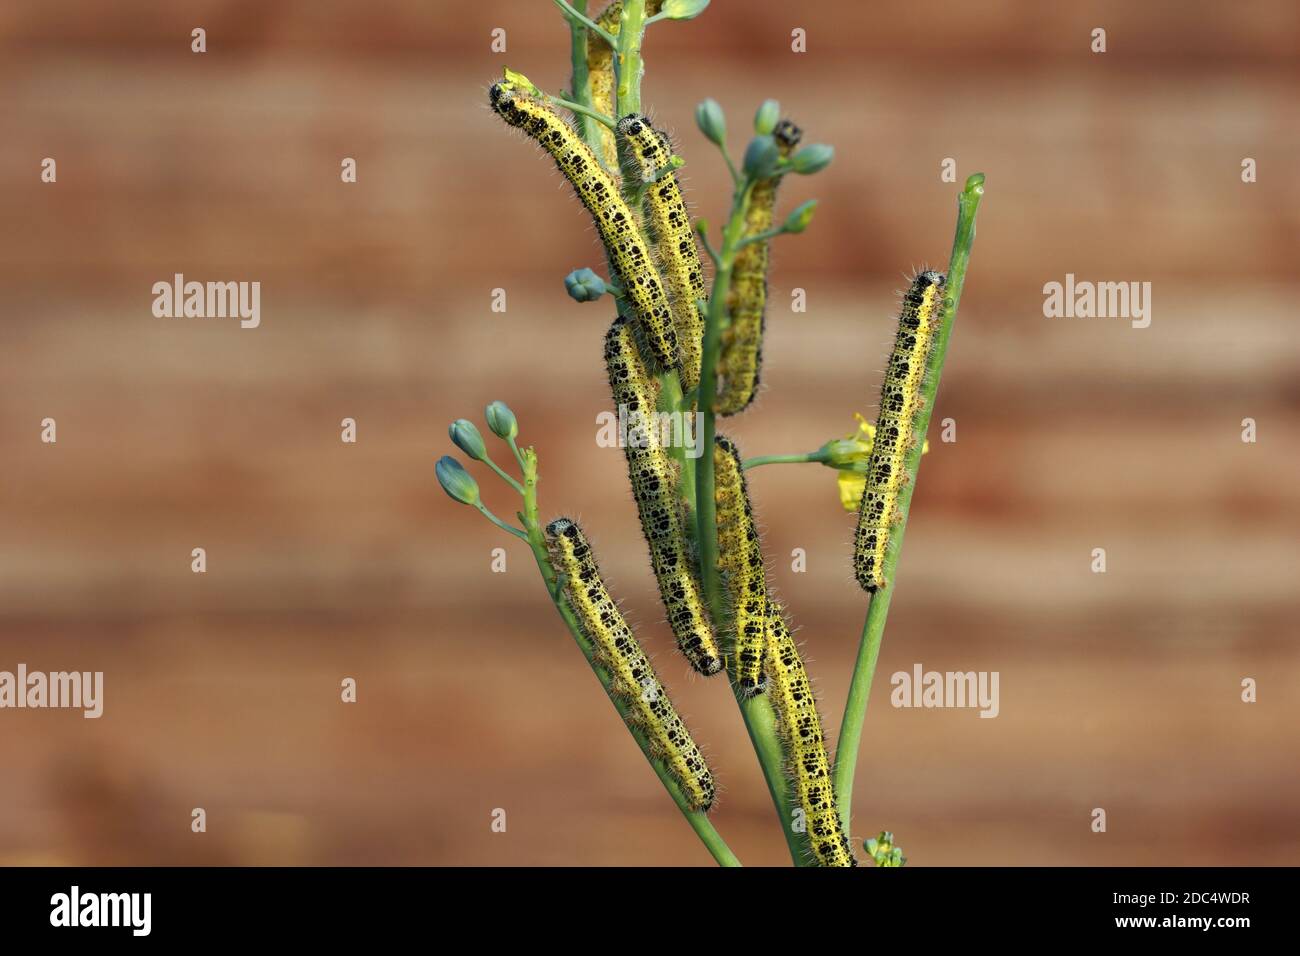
[328, 560]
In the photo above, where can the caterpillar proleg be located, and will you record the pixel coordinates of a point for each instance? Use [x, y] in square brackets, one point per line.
[627, 248]
[805, 750]
[740, 558]
[742, 341]
[633, 678]
[600, 74]
[653, 475]
[900, 398]
[650, 156]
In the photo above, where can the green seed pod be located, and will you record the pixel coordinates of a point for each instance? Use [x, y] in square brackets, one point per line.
[766, 118]
[467, 438]
[812, 159]
[798, 220]
[502, 420]
[711, 121]
[456, 481]
[761, 157]
[583, 285]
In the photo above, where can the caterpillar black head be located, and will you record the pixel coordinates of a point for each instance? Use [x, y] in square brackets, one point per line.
[632, 124]
[562, 527]
[787, 135]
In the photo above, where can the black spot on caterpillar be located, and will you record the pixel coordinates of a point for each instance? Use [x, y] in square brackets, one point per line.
[653, 475]
[900, 399]
[627, 248]
[649, 156]
[741, 358]
[801, 733]
[633, 678]
[740, 558]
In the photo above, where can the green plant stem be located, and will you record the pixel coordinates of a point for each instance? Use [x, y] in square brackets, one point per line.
[811, 456]
[756, 711]
[627, 51]
[873, 629]
[580, 76]
[698, 820]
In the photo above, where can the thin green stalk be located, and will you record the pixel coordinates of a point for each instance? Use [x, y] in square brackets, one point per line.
[819, 455]
[698, 820]
[631, 29]
[873, 629]
[582, 112]
[580, 79]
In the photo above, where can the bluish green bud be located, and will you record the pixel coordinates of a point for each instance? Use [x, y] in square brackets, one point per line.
[502, 420]
[467, 438]
[583, 285]
[798, 220]
[812, 159]
[766, 118]
[761, 157]
[711, 121]
[682, 9]
[456, 481]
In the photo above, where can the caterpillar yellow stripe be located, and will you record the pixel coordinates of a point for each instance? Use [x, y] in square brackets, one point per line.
[633, 678]
[627, 248]
[801, 734]
[740, 558]
[600, 74]
[653, 474]
[741, 357]
[650, 155]
[900, 399]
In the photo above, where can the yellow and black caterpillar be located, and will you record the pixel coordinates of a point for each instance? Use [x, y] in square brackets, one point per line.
[653, 475]
[801, 733]
[741, 358]
[627, 248]
[633, 678]
[900, 399]
[740, 558]
[650, 156]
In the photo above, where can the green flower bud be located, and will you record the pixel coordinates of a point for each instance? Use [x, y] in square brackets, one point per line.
[812, 159]
[456, 481]
[502, 420]
[682, 9]
[711, 121]
[583, 285]
[766, 118]
[846, 454]
[761, 157]
[798, 220]
[467, 438]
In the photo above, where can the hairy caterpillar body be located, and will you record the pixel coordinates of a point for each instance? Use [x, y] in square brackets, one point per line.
[628, 250]
[801, 732]
[742, 341]
[653, 475]
[740, 558]
[633, 678]
[900, 399]
[600, 74]
[650, 156]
